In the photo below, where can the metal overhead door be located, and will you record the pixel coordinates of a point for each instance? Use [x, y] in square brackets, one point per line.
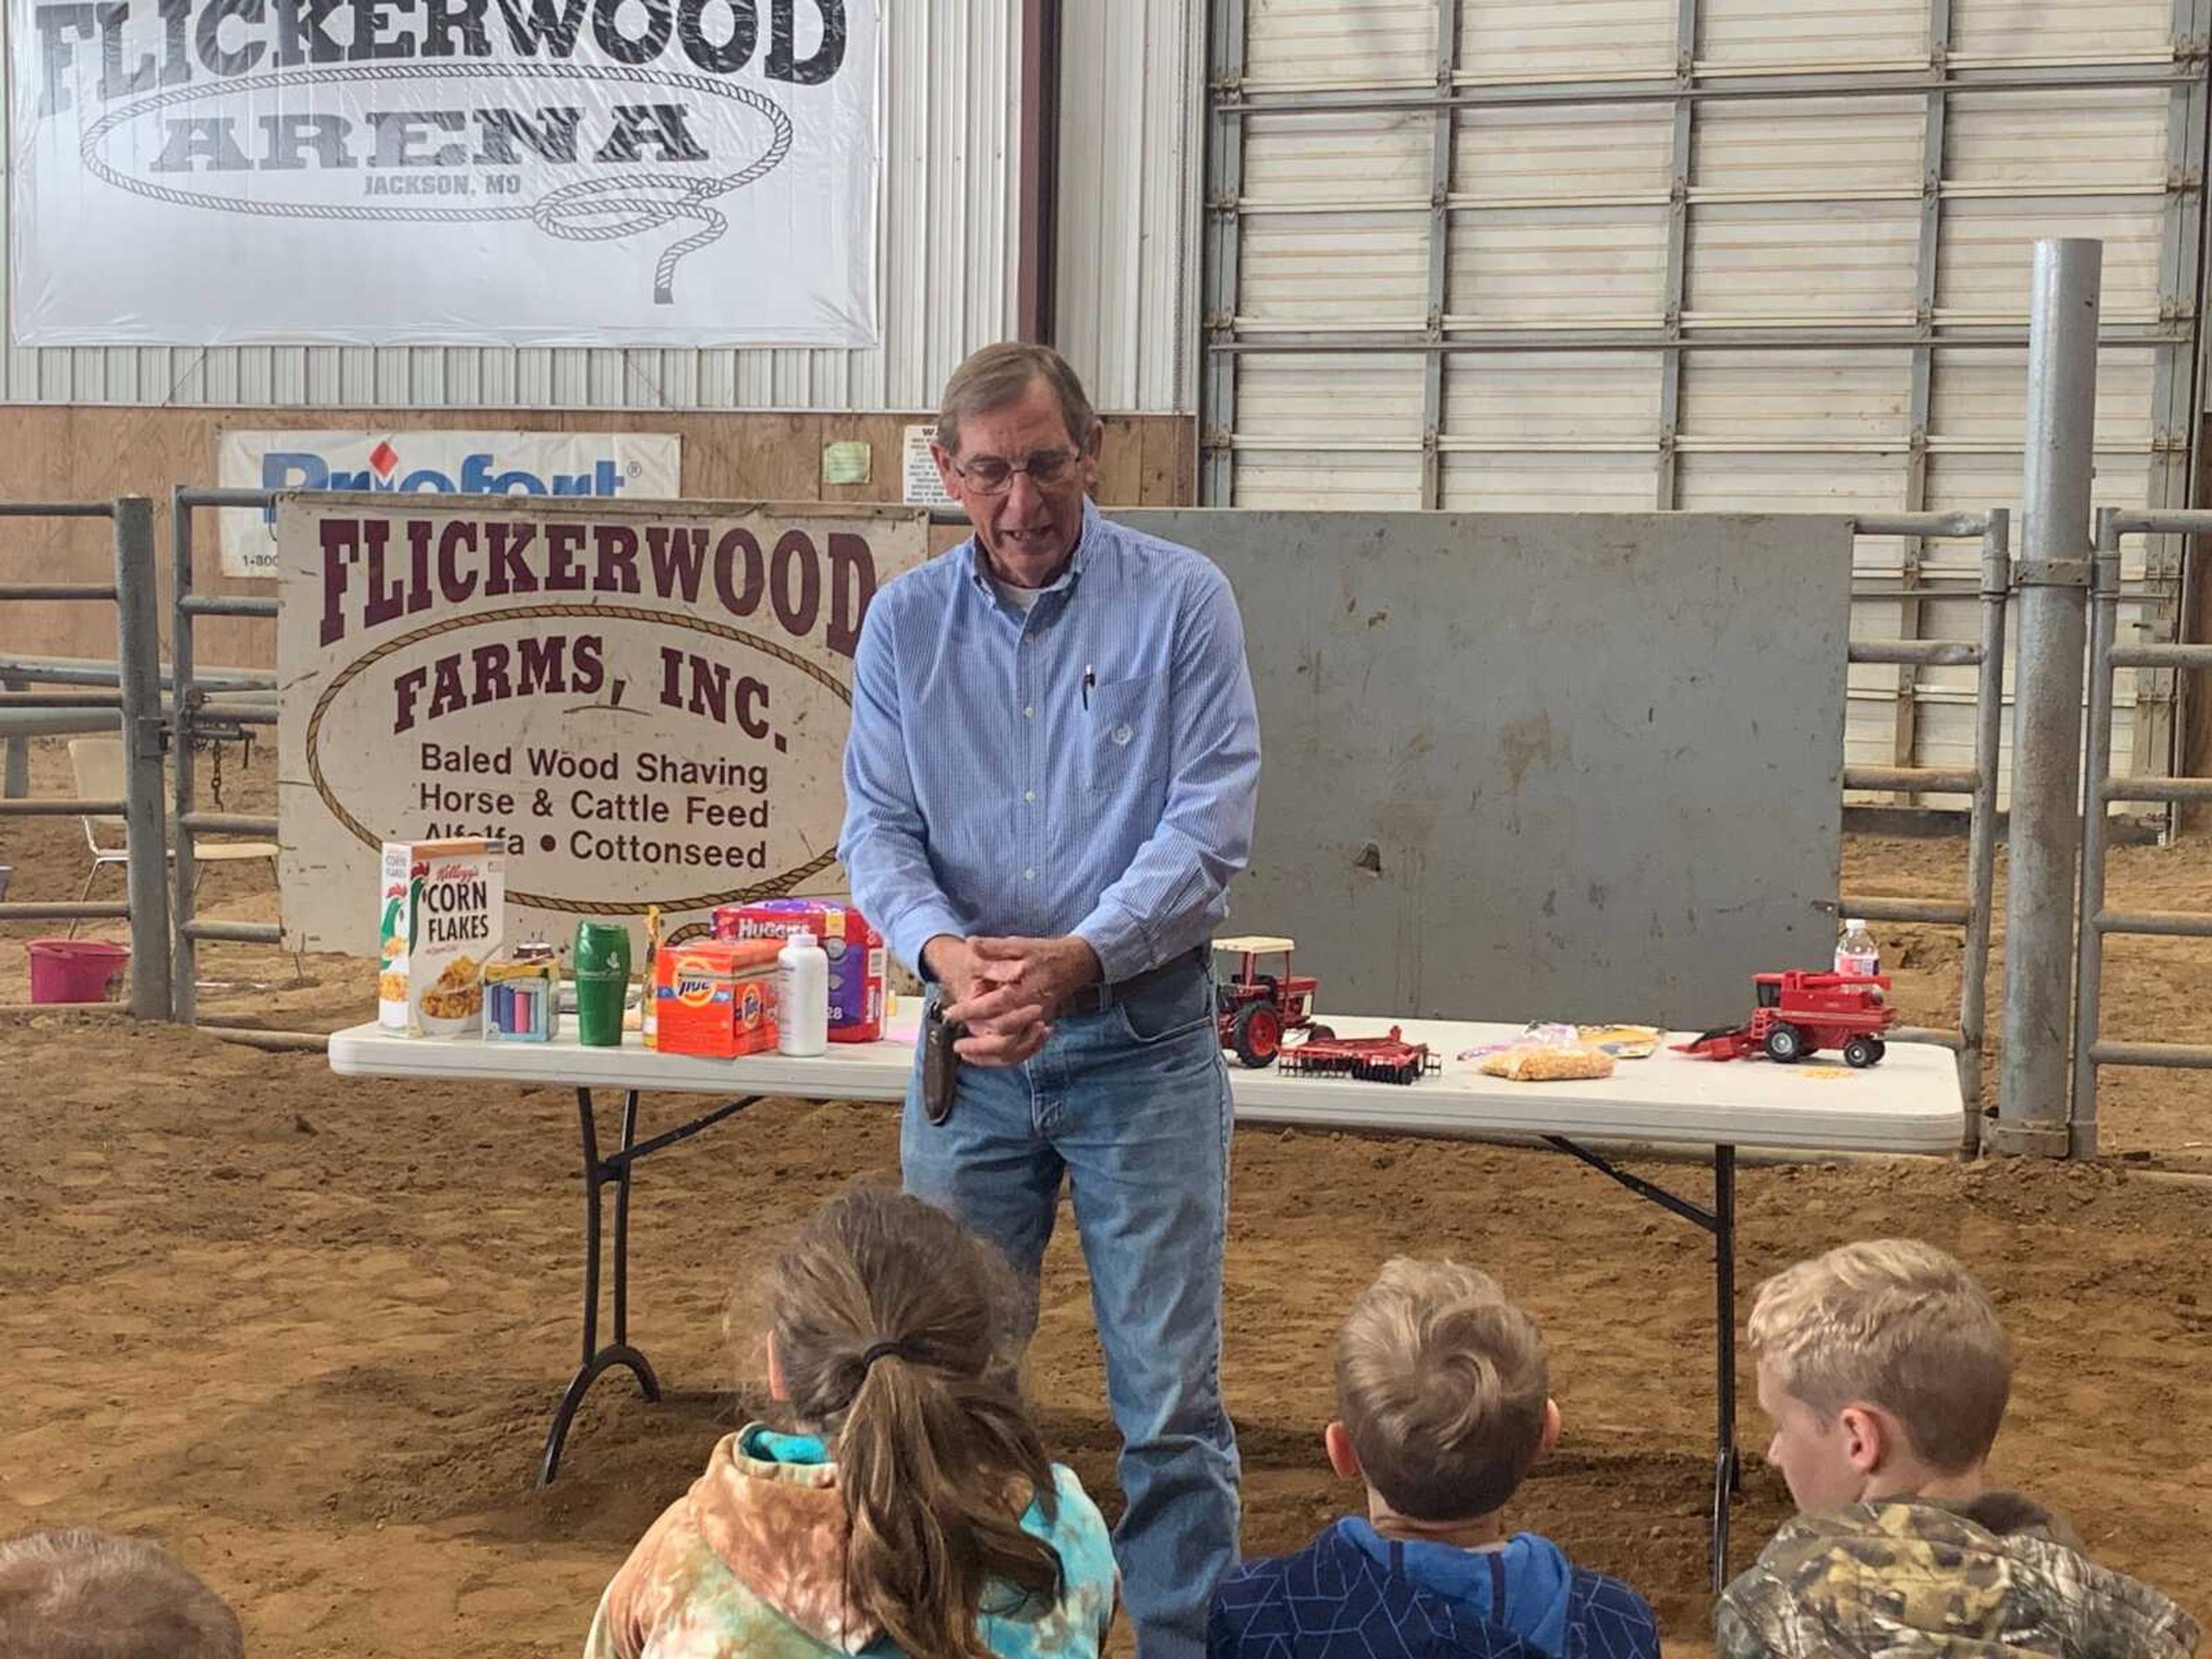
[1615, 254]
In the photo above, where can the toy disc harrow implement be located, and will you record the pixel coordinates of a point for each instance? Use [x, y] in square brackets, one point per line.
[1369, 1059]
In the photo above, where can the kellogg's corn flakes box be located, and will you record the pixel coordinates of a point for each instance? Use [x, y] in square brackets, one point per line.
[443, 904]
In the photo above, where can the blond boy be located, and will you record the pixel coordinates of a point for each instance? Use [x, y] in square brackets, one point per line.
[1444, 1402]
[1886, 1372]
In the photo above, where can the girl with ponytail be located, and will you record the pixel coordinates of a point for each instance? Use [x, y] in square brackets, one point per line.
[916, 1513]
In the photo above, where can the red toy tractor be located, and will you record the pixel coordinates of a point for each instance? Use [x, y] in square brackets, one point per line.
[1254, 1009]
[1800, 1013]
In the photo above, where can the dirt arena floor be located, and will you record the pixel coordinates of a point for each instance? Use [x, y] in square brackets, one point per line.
[309, 1332]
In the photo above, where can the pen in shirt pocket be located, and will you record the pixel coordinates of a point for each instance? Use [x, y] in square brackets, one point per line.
[1090, 680]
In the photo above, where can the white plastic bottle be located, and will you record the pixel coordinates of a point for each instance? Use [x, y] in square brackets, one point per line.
[1855, 952]
[802, 997]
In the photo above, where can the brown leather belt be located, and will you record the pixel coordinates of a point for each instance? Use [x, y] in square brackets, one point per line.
[1200, 957]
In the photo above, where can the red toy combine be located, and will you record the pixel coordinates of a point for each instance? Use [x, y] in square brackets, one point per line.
[1801, 1013]
[1370, 1060]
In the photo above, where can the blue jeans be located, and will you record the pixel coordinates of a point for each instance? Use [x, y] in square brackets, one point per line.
[1132, 1104]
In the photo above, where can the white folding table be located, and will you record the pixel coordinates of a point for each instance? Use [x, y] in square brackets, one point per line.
[1909, 1103]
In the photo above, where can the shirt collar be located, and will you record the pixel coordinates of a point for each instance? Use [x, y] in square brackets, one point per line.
[978, 571]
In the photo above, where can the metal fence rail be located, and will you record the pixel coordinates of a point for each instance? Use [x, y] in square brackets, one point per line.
[135, 703]
[245, 696]
[197, 713]
[2101, 792]
[1978, 783]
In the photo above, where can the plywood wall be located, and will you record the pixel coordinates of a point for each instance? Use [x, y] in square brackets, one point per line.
[86, 454]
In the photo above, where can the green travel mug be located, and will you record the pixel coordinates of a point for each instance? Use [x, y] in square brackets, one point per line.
[602, 964]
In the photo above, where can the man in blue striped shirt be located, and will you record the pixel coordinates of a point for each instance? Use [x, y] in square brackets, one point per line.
[1049, 783]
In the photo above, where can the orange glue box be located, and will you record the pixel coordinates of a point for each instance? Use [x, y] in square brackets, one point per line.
[716, 997]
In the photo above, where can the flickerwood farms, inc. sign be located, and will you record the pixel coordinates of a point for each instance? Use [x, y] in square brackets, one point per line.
[639, 705]
[601, 171]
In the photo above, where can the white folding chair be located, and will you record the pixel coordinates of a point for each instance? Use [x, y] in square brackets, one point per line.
[98, 764]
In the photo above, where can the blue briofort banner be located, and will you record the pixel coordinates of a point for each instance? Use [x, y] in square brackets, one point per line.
[372, 172]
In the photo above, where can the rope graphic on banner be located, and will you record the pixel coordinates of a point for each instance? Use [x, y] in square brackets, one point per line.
[597, 209]
[774, 887]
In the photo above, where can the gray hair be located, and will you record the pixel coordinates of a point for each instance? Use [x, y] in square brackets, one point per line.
[998, 375]
[84, 1595]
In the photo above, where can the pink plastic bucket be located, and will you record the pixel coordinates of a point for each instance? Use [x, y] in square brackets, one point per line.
[77, 971]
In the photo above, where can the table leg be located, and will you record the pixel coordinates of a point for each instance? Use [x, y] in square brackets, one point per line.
[622, 1221]
[1720, 1222]
[1725, 1467]
[597, 1359]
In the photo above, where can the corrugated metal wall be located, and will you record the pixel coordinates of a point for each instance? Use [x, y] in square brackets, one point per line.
[1130, 113]
[946, 246]
[1593, 272]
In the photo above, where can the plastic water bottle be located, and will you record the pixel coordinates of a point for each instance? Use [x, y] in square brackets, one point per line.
[1855, 952]
[802, 997]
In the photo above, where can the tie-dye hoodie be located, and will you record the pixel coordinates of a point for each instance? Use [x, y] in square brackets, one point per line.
[748, 1565]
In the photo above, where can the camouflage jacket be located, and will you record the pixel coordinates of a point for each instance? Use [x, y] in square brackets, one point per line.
[1906, 1578]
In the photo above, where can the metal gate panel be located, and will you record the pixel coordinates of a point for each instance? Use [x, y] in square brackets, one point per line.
[1983, 267]
[1793, 147]
[1766, 399]
[1336, 162]
[1556, 155]
[1552, 400]
[1611, 482]
[2018, 32]
[1315, 402]
[1329, 43]
[1340, 271]
[1567, 40]
[1334, 432]
[1348, 481]
[2082, 138]
[1742, 35]
[1596, 266]
[1830, 481]
[1980, 398]
[1801, 263]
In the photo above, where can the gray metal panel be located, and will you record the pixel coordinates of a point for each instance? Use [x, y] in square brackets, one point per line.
[1597, 760]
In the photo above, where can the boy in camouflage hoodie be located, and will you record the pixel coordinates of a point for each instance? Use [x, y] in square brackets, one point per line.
[1885, 1373]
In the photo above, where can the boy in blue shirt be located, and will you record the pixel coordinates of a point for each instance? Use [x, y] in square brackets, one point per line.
[1444, 1402]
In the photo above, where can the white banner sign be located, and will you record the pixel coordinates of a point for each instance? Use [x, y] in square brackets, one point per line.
[519, 172]
[645, 466]
[641, 705]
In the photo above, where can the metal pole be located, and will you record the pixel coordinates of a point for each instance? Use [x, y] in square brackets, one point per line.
[18, 781]
[183, 951]
[2089, 984]
[1982, 826]
[1221, 251]
[138, 657]
[2053, 581]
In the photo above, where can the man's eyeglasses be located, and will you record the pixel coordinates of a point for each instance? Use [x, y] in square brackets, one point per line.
[990, 475]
